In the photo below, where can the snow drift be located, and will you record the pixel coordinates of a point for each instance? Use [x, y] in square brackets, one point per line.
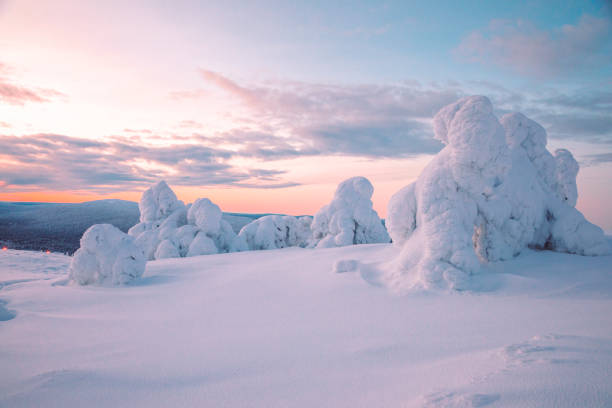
[491, 192]
[349, 219]
[170, 229]
[277, 231]
[106, 256]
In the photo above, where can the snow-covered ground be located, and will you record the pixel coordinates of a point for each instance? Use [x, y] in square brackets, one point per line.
[279, 328]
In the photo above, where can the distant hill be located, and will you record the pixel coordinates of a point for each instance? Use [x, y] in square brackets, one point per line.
[58, 227]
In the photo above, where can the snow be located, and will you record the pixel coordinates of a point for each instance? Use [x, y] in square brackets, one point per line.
[106, 256]
[158, 202]
[277, 231]
[567, 170]
[492, 192]
[401, 218]
[205, 215]
[279, 328]
[349, 219]
[346, 265]
[170, 229]
[202, 245]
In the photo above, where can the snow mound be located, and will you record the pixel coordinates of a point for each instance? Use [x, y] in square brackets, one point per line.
[277, 231]
[106, 256]
[349, 219]
[493, 191]
[171, 229]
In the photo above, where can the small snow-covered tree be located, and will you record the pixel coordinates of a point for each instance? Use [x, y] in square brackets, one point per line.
[158, 202]
[106, 256]
[277, 231]
[160, 213]
[491, 192]
[170, 229]
[349, 219]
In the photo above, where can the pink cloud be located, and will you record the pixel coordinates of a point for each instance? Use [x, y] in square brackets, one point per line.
[186, 95]
[526, 49]
[249, 96]
[15, 94]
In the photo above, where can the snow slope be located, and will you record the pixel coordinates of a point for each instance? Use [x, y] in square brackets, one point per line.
[279, 328]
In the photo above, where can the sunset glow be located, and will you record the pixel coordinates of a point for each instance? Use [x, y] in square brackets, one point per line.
[271, 114]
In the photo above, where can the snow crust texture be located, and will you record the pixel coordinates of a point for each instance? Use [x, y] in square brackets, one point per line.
[106, 256]
[277, 231]
[170, 229]
[493, 191]
[349, 219]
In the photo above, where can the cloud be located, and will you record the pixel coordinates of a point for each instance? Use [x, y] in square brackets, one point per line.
[393, 120]
[595, 128]
[523, 47]
[589, 100]
[400, 139]
[190, 124]
[361, 120]
[284, 120]
[187, 95]
[50, 161]
[595, 159]
[14, 94]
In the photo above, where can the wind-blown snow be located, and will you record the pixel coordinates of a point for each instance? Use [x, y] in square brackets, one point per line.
[493, 191]
[349, 219]
[106, 256]
[277, 231]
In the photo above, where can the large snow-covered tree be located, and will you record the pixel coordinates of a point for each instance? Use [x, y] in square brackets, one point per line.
[491, 192]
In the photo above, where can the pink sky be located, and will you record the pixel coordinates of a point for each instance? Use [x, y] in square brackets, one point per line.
[101, 99]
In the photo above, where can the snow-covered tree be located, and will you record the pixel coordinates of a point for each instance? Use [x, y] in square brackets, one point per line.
[158, 202]
[349, 219]
[170, 229]
[106, 256]
[491, 192]
[277, 231]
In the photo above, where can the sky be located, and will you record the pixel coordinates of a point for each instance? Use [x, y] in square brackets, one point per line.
[265, 106]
